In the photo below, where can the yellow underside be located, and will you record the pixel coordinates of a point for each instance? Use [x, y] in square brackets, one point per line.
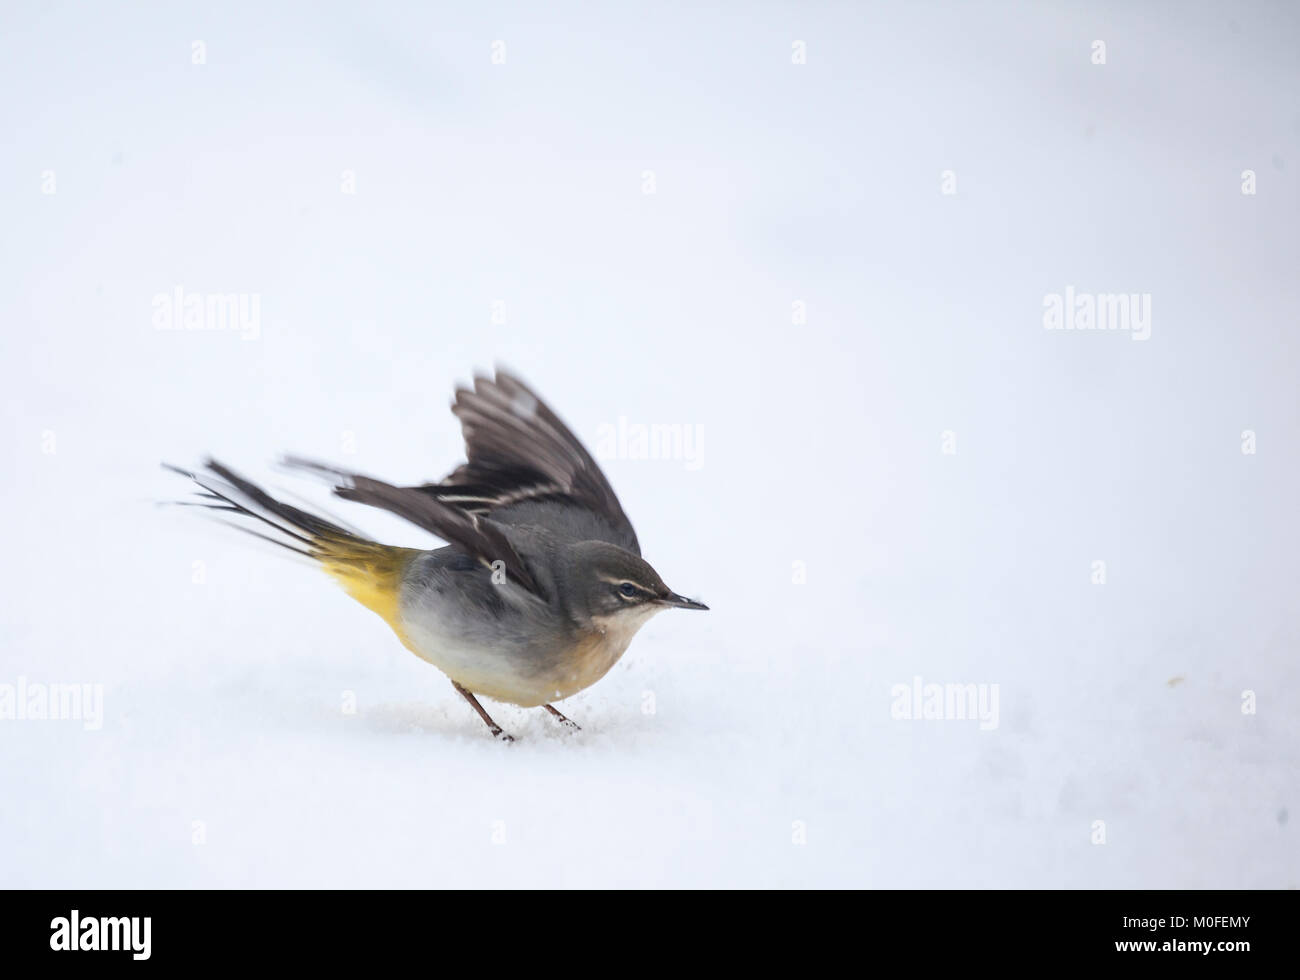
[371, 573]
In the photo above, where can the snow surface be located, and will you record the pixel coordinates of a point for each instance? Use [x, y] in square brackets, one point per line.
[723, 739]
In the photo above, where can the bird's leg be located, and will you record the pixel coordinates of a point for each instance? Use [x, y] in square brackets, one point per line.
[493, 727]
[569, 722]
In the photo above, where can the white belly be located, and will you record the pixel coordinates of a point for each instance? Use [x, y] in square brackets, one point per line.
[507, 672]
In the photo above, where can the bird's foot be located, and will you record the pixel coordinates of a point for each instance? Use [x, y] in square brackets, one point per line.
[566, 722]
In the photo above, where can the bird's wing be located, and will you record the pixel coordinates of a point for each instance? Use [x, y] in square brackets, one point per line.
[476, 535]
[518, 452]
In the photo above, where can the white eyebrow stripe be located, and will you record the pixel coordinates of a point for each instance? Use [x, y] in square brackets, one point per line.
[624, 581]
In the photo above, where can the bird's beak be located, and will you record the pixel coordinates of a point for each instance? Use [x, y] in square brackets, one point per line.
[681, 602]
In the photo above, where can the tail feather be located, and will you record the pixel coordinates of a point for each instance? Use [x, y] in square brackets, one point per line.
[370, 572]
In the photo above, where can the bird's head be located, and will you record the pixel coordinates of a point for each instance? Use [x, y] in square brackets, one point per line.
[611, 588]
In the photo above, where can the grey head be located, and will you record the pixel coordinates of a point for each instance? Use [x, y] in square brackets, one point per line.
[606, 587]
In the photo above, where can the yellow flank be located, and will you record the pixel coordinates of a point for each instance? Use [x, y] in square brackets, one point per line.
[369, 572]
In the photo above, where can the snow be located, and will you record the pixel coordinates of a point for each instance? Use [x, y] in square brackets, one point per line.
[755, 744]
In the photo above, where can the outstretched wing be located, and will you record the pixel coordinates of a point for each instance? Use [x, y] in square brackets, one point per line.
[523, 467]
[476, 535]
[518, 453]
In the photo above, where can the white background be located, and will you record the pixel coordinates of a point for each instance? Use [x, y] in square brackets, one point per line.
[522, 182]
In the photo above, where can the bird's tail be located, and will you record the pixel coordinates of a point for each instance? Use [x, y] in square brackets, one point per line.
[370, 572]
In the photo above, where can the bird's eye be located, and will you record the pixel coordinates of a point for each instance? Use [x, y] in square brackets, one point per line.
[627, 589]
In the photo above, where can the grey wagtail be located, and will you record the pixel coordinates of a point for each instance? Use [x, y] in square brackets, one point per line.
[541, 586]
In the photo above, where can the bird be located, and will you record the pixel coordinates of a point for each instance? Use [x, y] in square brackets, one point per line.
[541, 586]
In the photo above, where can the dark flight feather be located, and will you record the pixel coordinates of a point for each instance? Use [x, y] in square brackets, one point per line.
[470, 532]
[518, 451]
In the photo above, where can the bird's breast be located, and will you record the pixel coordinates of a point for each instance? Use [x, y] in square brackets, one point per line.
[521, 663]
